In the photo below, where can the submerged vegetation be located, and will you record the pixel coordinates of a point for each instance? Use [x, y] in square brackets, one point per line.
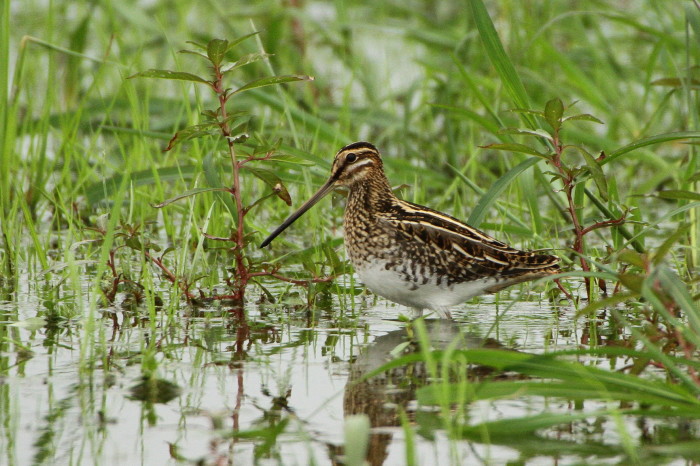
[131, 210]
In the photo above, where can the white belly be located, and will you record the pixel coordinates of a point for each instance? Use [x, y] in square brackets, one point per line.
[391, 285]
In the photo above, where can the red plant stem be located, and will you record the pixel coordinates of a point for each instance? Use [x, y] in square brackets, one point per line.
[254, 158]
[579, 231]
[563, 290]
[606, 223]
[171, 276]
[111, 263]
[292, 280]
[241, 270]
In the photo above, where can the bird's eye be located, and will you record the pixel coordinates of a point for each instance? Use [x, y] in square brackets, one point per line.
[351, 157]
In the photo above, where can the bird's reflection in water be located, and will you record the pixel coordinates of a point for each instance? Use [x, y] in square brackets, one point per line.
[383, 396]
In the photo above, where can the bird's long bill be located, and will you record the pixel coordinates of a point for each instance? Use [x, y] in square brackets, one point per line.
[320, 194]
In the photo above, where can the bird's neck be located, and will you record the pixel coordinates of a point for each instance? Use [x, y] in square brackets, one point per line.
[370, 194]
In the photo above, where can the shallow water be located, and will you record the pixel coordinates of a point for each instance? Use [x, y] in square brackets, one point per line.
[285, 370]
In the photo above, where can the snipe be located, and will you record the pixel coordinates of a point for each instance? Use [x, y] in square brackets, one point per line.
[411, 254]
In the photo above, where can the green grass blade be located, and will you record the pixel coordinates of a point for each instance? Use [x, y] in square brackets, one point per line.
[106, 188]
[675, 287]
[486, 201]
[522, 425]
[188, 193]
[660, 220]
[581, 390]
[549, 367]
[497, 54]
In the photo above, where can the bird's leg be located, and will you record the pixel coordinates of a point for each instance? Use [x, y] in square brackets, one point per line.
[443, 313]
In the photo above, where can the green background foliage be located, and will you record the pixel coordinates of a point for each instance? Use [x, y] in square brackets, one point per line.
[469, 102]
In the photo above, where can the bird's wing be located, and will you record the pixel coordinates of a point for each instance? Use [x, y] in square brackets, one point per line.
[468, 245]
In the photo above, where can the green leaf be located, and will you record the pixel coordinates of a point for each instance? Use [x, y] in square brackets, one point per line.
[553, 111]
[212, 175]
[194, 52]
[246, 60]
[659, 138]
[234, 120]
[531, 132]
[632, 282]
[235, 42]
[216, 49]
[134, 243]
[197, 44]
[167, 74]
[585, 117]
[296, 256]
[479, 212]
[597, 174]
[191, 132]
[270, 81]
[632, 257]
[529, 111]
[147, 134]
[677, 82]
[187, 193]
[679, 194]
[515, 147]
[290, 159]
[272, 180]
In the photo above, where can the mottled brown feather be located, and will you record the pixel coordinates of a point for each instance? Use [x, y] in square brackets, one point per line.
[379, 226]
[411, 253]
